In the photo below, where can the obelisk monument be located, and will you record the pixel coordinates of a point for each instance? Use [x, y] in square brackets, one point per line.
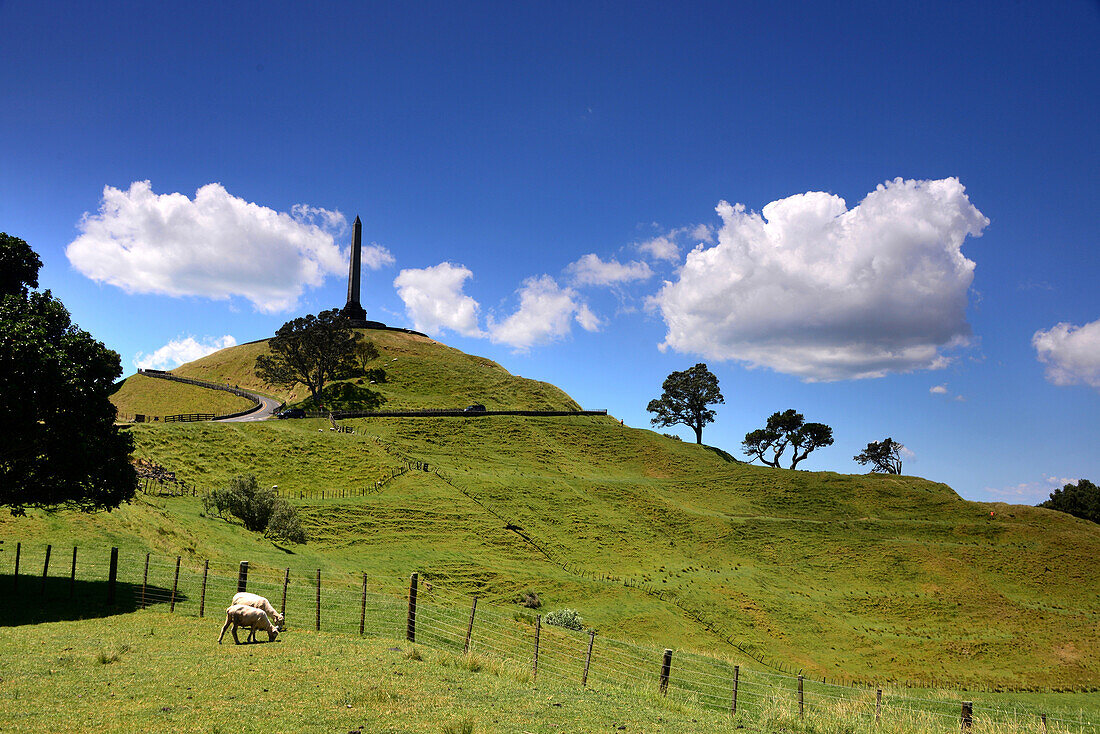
[353, 310]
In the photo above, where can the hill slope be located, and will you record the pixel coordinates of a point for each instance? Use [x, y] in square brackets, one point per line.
[855, 577]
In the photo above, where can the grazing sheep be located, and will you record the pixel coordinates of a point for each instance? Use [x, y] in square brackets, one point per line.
[241, 615]
[255, 600]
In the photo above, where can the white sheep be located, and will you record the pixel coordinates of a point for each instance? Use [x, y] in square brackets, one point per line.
[241, 615]
[255, 600]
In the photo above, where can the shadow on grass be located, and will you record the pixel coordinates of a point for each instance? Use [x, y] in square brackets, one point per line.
[31, 603]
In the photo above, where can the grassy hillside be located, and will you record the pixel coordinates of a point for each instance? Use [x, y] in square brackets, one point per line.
[152, 397]
[420, 373]
[853, 578]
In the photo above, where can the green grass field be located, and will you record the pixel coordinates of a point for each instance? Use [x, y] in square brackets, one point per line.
[861, 580]
[152, 397]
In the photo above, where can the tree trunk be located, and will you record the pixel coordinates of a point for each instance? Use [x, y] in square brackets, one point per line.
[698, 434]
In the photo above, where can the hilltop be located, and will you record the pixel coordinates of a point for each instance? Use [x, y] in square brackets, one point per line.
[851, 577]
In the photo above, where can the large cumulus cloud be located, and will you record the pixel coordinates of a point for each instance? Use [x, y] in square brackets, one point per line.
[813, 289]
[216, 245]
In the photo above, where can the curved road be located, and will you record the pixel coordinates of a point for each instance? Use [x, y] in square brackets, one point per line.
[265, 411]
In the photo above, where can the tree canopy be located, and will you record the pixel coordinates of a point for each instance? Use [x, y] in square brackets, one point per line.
[61, 447]
[685, 399]
[1080, 500]
[311, 350]
[788, 428]
[883, 456]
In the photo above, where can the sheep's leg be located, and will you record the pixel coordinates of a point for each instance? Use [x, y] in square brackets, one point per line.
[235, 638]
[224, 628]
[252, 635]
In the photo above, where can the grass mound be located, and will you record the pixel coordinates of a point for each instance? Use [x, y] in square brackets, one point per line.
[150, 396]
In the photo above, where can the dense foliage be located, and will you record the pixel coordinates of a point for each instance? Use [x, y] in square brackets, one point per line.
[567, 618]
[312, 350]
[1080, 500]
[685, 399]
[259, 509]
[61, 447]
[788, 428]
[883, 456]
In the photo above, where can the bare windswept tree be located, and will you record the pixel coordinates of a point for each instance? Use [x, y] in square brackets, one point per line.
[883, 456]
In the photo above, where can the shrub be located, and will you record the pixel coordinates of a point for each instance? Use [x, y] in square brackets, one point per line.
[528, 599]
[567, 618]
[285, 523]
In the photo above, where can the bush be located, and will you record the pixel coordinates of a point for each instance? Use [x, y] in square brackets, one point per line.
[259, 509]
[285, 524]
[567, 618]
[528, 599]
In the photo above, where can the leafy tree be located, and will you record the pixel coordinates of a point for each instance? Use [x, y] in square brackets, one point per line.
[788, 428]
[1080, 500]
[883, 456]
[61, 447]
[259, 509]
[311, 350]
[685, 399]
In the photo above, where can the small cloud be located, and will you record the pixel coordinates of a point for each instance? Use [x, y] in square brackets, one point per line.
[938, 389]
[1071, 353]
[545, 313]
[435, 301]
[181, 351]
[1029, 493]
[591, 270]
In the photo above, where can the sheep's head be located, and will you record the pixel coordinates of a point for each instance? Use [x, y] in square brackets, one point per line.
[272, 634]
[279, 620]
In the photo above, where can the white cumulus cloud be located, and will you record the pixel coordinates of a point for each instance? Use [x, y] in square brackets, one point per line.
[434, 299]
[591, 270]
[181, 351]
[813, 289]
[938, 389]
[1071, 353]
[545, 314]
[667, 246]
[1031, 493]
[216, 246]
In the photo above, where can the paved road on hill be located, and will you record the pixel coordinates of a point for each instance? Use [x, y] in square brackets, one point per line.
[266, 410]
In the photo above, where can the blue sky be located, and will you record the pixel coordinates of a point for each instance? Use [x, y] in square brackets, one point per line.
[556, 187]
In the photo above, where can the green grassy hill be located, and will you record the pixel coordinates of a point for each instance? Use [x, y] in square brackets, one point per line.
[854, 578]
[150, 396]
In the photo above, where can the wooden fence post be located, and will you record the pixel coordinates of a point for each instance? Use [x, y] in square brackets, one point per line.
[112, 577]
[470, 628]
[538, 633]
[318, 622]
[410, 623]
[666, 669]
[15, 578]
[1043, 721]
[286, 580]
[242, 577]
[588, 657]
[144, 580]
[966, 718]
[363, 606]
[72, 576]
[801, 707]
[878, 705]
[46, 569]
[202, 596]
[175, 585]
[736, 680]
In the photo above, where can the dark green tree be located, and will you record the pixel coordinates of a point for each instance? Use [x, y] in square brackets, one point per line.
[311, 350]
[61, 448]
[685, 399]
[788, 428]
[883, 456]
[1080, 500]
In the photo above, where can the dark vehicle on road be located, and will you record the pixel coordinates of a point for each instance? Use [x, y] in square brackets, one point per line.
[475, 408]
[292, 413]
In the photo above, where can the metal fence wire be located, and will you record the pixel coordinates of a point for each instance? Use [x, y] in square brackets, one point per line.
[381, 606]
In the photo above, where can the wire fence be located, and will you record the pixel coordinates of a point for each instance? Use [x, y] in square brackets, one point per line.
[393, 607]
